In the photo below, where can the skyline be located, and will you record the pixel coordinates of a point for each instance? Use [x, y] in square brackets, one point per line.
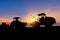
[27, 9]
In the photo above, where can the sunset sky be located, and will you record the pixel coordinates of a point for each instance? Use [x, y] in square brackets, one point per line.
[28, 9]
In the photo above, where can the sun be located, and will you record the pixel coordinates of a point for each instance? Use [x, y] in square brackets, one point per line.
[32, 20]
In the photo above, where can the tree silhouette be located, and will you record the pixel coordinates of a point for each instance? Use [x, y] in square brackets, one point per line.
[47, 21]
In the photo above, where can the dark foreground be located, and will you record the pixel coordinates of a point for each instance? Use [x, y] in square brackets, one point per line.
[41, 29]
[44, 29]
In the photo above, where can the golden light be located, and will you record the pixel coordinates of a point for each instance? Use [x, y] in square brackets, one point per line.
[31, 17]
[32, 20]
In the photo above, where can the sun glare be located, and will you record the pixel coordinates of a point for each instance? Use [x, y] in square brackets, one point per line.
[32, 20]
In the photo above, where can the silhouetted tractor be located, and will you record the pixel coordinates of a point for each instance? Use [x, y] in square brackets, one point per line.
[47, 21]
[17, 23]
